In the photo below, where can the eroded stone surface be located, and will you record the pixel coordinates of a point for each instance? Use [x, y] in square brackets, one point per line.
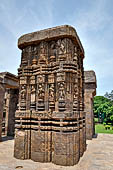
[51, 97]
[2, 93]
[8, 101]
[89, 93]
[49, 34]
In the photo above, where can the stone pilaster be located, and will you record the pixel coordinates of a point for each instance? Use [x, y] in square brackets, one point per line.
[90, 92]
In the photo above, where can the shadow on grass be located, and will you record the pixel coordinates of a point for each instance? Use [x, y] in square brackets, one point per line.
[5, 138]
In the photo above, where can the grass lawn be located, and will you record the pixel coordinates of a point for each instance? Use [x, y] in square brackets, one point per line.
[100, 128]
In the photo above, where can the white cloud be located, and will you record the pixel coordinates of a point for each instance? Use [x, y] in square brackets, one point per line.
[95, 27]
[15, 20]
[93, 23]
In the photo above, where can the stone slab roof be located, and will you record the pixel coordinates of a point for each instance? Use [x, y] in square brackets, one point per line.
[10, 80]
[90, 76]
[49, 34]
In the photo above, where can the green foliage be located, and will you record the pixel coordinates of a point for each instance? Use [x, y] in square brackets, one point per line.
[100, 103]
[103, 108]
[111, 117]
[96, 120]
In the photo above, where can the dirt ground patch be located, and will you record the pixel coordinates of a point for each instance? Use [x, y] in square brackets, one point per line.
[99, 155]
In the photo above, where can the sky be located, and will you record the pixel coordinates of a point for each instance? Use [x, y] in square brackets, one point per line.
[92, 19]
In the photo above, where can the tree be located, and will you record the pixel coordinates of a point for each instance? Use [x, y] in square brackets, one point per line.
[109, 114]
[103, 109]
[109, 95]
[98, 104]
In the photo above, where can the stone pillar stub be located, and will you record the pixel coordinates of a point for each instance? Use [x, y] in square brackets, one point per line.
[11, 106]
[2, 93]
[50, 120]
[8, 82]
[90, 91]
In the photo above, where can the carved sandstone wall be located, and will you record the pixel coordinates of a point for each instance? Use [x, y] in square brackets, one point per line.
[90, 92]
[10, 106]
[50, 120]
[2, 93]
[8, 102]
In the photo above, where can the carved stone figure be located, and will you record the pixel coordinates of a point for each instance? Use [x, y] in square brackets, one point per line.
[61, 90]
[23, 92]
[53, 51]
[41, 91]
[61, 46]
[32, 94]
[51, 92]
[75, 54]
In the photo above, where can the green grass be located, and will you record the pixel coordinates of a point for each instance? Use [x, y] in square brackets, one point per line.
[96, 120]
[100, 128]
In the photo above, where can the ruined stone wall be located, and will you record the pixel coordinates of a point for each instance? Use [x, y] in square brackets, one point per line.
[8, 102]
[50, 120]
[11, 106]
[90, 92]
[2, 92]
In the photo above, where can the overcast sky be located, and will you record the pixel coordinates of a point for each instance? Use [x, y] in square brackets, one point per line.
[92, 19]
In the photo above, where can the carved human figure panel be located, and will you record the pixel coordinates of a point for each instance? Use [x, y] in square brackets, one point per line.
[40, 78]
[33, 91]
[52, 51]
[51, 92]
[43, 47]
[41, 91]
[75, 54]
[61, 45]
[69, 45]
[61, 91]
[23, 92]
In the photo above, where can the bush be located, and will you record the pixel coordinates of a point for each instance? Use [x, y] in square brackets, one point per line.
[109, 123]
[107, 127]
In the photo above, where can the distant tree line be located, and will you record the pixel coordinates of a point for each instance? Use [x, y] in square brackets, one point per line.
[103, 108]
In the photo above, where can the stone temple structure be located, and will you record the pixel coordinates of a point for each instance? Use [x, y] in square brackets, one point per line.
[50, 120]
[89, 93]
[8, 102]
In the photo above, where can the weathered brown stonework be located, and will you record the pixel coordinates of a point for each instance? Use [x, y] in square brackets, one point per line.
[2, 93]
[50, 120]
[8, 102]
[10, 106]
[89, 93]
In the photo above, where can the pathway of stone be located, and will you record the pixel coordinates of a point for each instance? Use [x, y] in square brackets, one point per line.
[99, 156]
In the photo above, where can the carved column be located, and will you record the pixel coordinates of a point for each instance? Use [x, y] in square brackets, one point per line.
[11, 106]
[90, 91]
[50, 124]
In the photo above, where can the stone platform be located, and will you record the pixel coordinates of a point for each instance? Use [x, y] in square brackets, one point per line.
[99, 155]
